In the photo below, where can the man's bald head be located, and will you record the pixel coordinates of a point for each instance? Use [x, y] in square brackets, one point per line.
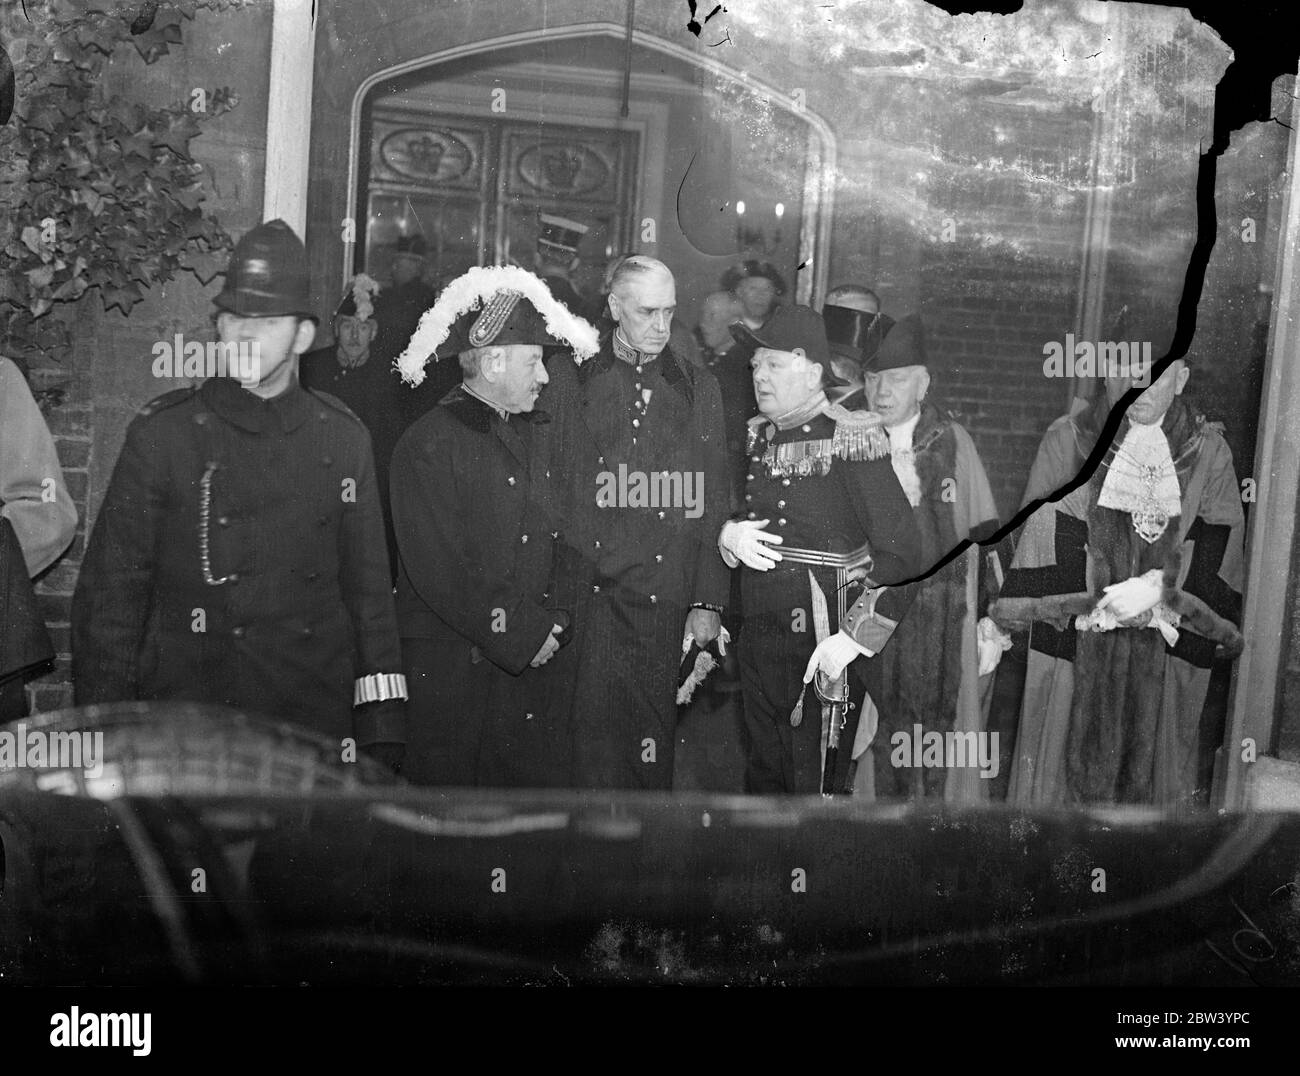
[636, 267]
[854, 297]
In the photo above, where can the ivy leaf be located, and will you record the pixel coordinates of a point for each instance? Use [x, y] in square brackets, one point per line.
[156, 41]
[206, 266]
[31, 236]
[124, 298]
[71, 289]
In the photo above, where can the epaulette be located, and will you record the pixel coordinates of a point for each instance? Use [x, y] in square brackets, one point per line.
[337, 404]
[860, 435]
[166, 400]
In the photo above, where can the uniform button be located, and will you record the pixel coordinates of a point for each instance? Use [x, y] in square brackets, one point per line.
[785, 481]
[601, 460]
[238, 633]
[750, 477]
[749, 496]
[807, 429]
[653, 598]
[323, 416]
[755, 459]
[200, 420]
[780, 522]
[306, 633]
[548, 474]
[595, 590]
[233, 577]
[597, 543]
[523, 537]
[780, 504]
[555, 536]
[510, 481]
[223, 521]
[528, 717]
[753, 515]
[659, 558]
[637, 385]
[636, 422]
[661, 514]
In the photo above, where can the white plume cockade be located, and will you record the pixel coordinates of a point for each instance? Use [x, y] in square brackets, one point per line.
[468, 292]
[364, 290]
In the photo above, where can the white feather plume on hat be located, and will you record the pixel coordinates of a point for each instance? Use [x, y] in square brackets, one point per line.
[468, 292]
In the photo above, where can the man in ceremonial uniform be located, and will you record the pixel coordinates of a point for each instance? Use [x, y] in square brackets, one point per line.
[822, 508]
[487, 589]
[646, 476]
[929, 677]
[365, 381]
[1130, 588]
[239, 555]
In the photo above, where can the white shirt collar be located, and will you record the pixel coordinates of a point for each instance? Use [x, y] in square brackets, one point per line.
[900, 436]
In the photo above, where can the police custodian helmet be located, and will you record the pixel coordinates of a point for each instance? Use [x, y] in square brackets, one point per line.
[267, 275]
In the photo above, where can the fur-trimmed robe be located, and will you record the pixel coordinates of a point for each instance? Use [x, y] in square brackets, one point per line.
[928, 674]
[1113, 717]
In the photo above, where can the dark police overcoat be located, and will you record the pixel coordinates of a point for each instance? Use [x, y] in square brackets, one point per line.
[239, 558]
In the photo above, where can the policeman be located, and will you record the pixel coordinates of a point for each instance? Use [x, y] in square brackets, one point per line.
[488, 587]
[820, 487]
[239, 554]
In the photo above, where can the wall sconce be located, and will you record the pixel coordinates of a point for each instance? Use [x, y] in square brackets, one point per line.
[756, 236]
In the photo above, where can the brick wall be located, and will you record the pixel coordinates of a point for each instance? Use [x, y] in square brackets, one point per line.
[111, 353]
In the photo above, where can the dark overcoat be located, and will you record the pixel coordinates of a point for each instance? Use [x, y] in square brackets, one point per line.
[239, 558]
[484, 577]
[623, 423]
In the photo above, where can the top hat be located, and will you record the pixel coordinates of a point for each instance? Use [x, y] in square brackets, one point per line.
[854, 334]
[267, 275]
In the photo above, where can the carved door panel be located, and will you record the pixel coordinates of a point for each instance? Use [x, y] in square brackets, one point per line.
[474, 189]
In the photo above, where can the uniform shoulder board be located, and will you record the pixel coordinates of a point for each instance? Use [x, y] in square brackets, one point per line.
[860, 435]
[337, 404]
[166, 400]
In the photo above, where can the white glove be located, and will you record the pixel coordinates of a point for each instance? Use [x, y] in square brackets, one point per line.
[1134, 596]
[992, 642]
[832, 656]
[742, 540]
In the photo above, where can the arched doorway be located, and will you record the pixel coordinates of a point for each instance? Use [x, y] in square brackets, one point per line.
[638, 142]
